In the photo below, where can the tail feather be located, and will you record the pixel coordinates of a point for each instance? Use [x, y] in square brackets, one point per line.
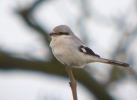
[117, 63]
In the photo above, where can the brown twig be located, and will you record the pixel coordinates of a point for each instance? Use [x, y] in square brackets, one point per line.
[72, 83]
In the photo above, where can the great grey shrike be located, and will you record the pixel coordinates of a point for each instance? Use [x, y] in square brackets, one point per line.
[72, 52]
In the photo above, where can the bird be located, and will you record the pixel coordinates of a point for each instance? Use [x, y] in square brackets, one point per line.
[71, 51]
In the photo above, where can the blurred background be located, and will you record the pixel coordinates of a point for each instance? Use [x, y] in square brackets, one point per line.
[29, 71]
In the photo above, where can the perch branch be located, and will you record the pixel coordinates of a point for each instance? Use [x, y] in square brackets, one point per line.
[72, 83]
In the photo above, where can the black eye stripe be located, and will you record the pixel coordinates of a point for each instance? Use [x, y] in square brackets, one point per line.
[59, 33]
[63, 33]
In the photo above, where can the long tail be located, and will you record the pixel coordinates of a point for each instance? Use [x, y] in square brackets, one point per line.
[117, 63]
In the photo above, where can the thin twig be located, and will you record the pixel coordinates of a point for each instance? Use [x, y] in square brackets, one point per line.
[72, 83]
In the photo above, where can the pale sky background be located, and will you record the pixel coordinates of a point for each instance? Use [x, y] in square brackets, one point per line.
[17, 38]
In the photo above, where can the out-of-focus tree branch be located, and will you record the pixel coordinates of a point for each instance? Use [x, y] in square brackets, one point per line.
[121, 50]
[28, 18]
[54, 67]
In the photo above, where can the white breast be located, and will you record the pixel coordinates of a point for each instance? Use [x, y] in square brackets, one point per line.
[66, 51]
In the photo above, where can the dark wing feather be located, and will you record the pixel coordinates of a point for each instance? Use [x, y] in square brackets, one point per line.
[87, 50]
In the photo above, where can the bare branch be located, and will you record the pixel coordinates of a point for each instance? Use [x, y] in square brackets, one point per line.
[72, 83]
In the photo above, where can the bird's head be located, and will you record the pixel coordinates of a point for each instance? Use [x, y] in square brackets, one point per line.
[61, 30]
